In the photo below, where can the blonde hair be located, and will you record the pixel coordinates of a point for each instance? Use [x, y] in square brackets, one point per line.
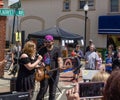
[100, 76]
[29, 48]
[99, 54]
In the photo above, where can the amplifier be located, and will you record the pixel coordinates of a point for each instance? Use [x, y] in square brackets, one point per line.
[13, 84]
[15, 96]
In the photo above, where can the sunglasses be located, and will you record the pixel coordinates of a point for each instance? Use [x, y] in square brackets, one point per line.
[47, 41]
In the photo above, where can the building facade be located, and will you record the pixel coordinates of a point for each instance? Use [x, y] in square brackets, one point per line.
[68, 15]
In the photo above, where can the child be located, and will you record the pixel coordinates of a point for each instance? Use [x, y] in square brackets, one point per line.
[99, 65]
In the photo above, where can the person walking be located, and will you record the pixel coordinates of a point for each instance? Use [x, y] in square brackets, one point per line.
[15, 53]
[51, 58]
[78, 55]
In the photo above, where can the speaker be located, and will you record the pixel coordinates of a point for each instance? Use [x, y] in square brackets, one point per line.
[13, 84]
[15, 96]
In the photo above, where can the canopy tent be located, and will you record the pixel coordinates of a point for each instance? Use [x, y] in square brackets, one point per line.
[57, 33]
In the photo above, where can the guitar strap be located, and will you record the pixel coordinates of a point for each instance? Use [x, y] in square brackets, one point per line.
[50, 56]
[50, 53]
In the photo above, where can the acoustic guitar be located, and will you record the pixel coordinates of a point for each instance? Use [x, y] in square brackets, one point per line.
[45, 70]
[44, 74]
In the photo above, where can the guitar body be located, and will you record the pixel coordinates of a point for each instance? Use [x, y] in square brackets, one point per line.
[43, 74]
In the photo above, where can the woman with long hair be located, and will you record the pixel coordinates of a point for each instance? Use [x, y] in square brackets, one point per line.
[27, 64]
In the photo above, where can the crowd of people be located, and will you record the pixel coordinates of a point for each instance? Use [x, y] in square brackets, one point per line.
[109, 73]
[49, 57]
[94, 59]
[110, 91]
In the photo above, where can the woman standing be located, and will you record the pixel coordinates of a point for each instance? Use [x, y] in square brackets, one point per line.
[27, 64]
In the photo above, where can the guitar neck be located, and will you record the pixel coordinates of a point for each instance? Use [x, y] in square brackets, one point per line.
[53, 69]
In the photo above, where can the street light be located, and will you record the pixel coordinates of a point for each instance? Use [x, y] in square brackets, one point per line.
[86, 8]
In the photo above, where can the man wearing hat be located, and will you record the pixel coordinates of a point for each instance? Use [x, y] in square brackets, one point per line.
[52, 58]
[90, 43]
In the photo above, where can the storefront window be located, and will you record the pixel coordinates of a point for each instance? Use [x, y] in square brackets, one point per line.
[66, 5]
[114, 5]
[91, 4]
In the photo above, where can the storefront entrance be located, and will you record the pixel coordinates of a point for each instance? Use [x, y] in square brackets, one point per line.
[114, 40]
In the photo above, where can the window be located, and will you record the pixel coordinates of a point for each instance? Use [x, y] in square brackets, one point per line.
[91, 4]
[66, 5]
[114, 5]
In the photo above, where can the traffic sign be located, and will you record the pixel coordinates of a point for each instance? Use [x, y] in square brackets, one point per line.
[11, 12]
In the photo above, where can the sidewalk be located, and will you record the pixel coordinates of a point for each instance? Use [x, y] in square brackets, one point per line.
[5, 83]
[64, 80]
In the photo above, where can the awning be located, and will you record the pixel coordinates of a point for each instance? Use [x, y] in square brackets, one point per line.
[109, 24]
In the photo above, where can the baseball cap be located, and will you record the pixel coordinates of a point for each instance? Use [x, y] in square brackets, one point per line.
[77, 45]
[49, 38]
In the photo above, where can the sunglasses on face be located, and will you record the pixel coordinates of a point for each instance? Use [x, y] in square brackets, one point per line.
[47, 41]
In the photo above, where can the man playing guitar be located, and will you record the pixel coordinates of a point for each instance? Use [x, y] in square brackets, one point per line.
[52, 58]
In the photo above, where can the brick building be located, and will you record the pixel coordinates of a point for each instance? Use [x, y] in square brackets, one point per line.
[2, 39]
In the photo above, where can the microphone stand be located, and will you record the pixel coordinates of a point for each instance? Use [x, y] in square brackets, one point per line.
[46, 71]
[78, 67]
[52, 79]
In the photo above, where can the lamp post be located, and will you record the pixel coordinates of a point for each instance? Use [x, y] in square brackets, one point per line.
[86, 8]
